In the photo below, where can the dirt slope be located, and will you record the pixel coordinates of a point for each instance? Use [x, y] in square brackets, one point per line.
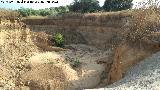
[144, 76]
[16, 47]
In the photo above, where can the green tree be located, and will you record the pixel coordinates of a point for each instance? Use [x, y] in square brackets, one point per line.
[61, 9]
[27, 11]
[44, 12]
[23, 11]
[84, 6]
[117, 5]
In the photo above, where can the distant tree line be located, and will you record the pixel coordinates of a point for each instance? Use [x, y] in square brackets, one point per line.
[43, 12]
[80, 6]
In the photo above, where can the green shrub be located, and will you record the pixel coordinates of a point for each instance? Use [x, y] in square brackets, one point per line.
[58, 40]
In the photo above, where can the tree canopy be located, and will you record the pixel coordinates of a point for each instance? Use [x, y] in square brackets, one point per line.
[117, 5]
[84, 6]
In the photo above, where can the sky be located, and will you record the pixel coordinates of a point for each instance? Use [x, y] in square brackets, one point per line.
[15, 5]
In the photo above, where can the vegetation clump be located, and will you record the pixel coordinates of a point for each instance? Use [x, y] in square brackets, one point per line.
[52, 11]
[74, 62]
[85, 6]
[117, 5]
[58, 39]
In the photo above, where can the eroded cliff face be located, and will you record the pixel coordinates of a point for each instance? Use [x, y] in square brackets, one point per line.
[102, 31]
[126, 56]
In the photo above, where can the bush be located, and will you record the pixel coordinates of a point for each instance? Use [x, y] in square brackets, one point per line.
[117, 5]
[84, 6]
[58, 40]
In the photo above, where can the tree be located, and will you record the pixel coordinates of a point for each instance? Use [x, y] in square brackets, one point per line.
[117, 5]
[23, 11]
[27, 12]
[84, 6]
[44, 12]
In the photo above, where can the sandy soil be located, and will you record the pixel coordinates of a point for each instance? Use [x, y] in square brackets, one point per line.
[89, 72]
[77, 65]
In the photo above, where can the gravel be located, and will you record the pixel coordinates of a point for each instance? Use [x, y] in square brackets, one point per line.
[143, 76]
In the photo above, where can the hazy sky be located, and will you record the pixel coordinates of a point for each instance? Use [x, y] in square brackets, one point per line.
[15, 5]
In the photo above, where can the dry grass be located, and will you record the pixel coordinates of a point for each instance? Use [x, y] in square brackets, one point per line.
[35, 17]
[143, 23]
[124, 13]
[6, 13]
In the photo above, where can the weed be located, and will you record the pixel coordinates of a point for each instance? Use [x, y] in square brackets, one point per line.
[75, 63]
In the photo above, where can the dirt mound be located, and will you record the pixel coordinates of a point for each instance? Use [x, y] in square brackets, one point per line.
[19, 55]
[15, 49]
[7, 14]
[48, 70]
